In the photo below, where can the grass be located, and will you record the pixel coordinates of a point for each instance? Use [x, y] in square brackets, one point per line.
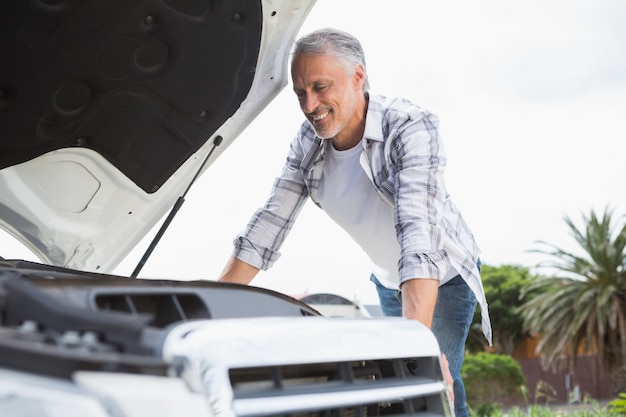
[584, 410]
[545, 407]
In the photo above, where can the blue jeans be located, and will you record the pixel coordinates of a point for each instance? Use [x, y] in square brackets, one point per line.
[452, 318]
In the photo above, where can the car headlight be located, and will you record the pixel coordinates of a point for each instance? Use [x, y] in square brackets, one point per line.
[98, 394]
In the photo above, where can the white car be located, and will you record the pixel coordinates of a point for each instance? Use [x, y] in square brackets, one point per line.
[109, 111]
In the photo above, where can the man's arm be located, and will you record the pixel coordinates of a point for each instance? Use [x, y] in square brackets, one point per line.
[238, 272]
[418, 299]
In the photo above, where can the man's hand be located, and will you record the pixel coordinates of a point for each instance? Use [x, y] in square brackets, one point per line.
[449, 382]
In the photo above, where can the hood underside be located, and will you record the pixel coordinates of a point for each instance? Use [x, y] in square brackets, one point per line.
[109, 108]
[142, 83]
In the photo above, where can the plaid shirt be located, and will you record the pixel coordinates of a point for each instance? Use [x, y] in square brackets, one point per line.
[404, 158]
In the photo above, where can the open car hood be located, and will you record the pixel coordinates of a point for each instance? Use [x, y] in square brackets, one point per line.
[109, 109]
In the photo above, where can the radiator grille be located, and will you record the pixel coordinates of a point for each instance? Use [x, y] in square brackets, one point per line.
[387, 387]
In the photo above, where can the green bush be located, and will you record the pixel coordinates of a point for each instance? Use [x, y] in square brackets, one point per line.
[618, 405]
[489, 378]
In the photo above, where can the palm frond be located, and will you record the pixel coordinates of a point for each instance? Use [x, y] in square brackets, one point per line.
[581, 307]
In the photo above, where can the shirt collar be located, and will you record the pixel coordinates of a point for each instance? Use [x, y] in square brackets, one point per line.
[373, 120]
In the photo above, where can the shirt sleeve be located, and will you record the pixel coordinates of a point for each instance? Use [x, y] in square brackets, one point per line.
[420, 198]
[260, 242]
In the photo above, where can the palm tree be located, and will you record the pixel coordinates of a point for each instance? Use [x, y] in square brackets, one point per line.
[582, 307]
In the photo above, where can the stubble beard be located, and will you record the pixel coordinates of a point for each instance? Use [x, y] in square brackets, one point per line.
[328, 130]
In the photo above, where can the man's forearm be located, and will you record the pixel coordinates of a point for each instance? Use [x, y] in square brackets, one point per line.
[419, 297]
[238, 272]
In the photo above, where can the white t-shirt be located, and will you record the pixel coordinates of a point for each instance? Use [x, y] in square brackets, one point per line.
[348, 196]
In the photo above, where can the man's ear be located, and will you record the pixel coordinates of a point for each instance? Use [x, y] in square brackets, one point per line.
[359, 77]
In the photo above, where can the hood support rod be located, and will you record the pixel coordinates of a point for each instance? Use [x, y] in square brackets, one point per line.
[216, 142]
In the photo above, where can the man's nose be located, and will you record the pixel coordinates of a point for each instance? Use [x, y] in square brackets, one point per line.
[310, 103]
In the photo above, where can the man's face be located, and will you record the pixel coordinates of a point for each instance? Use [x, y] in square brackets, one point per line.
[331, 99]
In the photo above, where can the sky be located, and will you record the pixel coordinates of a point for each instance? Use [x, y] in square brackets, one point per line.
[531, 98]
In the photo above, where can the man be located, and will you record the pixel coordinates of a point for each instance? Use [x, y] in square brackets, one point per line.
[375, 165]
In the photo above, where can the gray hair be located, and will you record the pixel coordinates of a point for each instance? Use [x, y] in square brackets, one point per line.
[345, 47]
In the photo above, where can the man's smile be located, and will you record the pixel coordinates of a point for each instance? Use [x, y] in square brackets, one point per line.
[317, 118]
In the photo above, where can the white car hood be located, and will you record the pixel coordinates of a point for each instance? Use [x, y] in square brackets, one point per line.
[109, 109]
